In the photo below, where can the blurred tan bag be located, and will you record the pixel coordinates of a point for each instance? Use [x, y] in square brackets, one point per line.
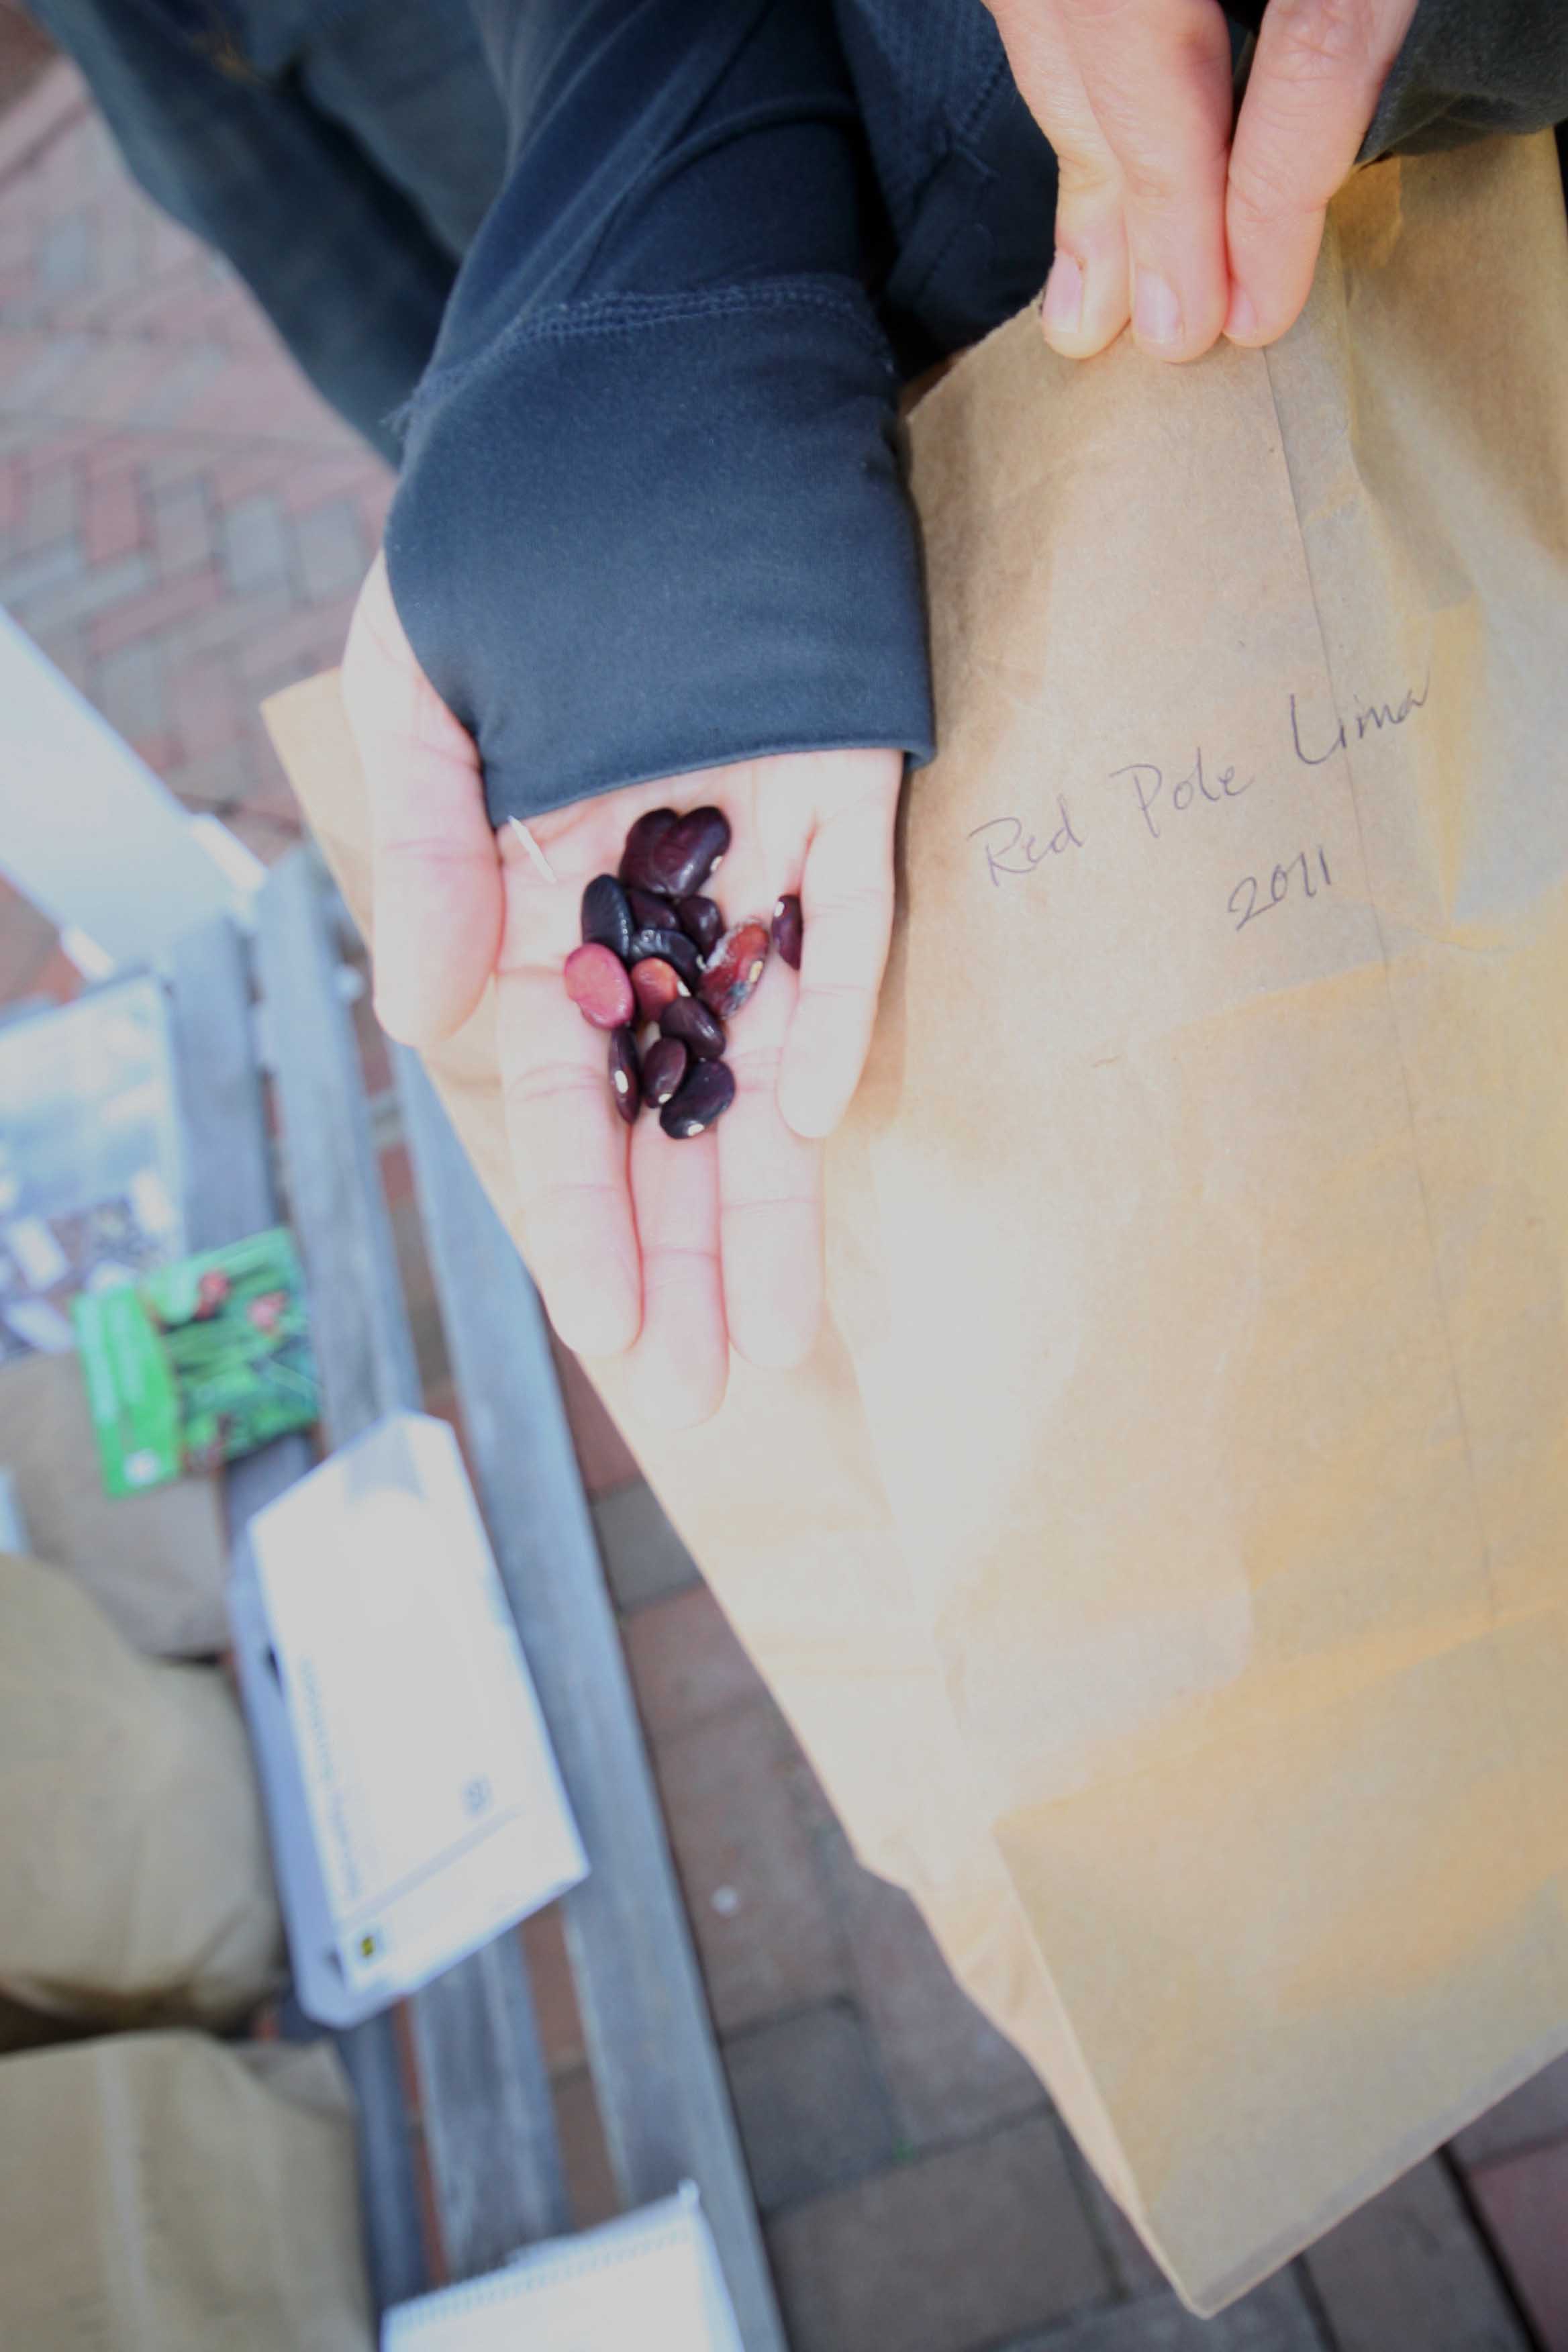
[155, 1562]
[134, 1879]
[161, 2193]
[1163, 1556]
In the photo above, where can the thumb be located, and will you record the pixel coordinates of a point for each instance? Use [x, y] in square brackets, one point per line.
[435, 873]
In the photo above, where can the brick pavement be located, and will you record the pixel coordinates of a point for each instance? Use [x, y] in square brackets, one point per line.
[182, 526]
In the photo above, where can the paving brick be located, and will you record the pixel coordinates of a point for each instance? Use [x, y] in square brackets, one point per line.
[333, 555]
[160, 752]
[949, 2070]
[147, 610]
[257, 551]
[188, 374]
[644, 1560]
[25, 578]
[589, 2182]
[84, 594]
[950, 2253]
[206, 701]
[225, 626]
[1132, 2266]
[114, 519]
[766, 1929]
[554, 1990]
[812, 2109]
[1524, 2202]
[128, 688]
[25, 940]
[355, 474]
[221, 780]
[1409, 2273]
[265, 837]
[295, 646]
[182, 529]
[686, 1664]
[1273, 2318]
[54, 500]
[603, 1455]
[1538, 2111]
[63, 256]
[64, 642]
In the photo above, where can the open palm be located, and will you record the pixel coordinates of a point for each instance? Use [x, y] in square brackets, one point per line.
[673, 1250]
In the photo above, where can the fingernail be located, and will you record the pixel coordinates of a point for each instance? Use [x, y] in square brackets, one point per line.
[1061, 304]
[1156, 313]
[1241, 324]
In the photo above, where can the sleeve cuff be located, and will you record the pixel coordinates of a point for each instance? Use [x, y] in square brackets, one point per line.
[644, 534]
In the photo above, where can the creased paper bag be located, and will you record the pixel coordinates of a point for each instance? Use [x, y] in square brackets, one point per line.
[1163, 1557]
[155, 1562]
[134, 1879]
[160, 2192]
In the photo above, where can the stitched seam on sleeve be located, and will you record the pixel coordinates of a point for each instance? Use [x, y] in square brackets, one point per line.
[603, 315]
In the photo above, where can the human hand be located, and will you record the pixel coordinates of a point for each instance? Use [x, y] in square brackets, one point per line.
[1166, 216]
[670, 1250]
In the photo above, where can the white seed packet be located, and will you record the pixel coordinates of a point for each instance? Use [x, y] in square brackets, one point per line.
[650, 2279]
[416, 1806]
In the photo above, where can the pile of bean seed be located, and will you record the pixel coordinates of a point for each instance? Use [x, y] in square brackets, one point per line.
[660, 969]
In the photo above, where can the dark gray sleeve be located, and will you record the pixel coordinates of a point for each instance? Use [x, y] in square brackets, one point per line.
[652, 515]
[1471, 68]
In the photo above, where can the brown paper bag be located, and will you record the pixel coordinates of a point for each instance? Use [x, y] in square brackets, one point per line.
[155, 1562]
[161, 2193]
[1162, 1556]
[134, 1878]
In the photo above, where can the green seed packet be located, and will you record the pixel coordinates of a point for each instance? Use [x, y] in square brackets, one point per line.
[198, 1362]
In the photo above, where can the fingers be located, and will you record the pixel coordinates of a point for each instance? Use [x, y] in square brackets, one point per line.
[568, 1141]
[1156, 74]
[682, 1358]
[436, 878]
[1314, 86]
[847, 901]
[770, 1193]
[1086, 301]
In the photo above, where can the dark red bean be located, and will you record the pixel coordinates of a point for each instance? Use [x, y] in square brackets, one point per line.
[709, 1091]
[674, 947]
[649, 913]
[626, 1075]
[680, 859]
[606, 918]
[695, 1027]
[734, 968]
[597, 984]
[640, 842]
[786, 930]
[655, 984]
[701, 921]
[664, 1067]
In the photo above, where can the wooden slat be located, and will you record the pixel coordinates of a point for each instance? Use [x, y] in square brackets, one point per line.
[489, 2119]
[364, 1350]
[656, 2069]
[230, 1192]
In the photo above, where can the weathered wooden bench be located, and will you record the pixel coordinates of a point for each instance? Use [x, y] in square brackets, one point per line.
[484, 2100]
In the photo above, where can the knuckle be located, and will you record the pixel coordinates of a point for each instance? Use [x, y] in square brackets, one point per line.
[1081, 174]
[1322, 40]
[1261, 194]
[1154, 183]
